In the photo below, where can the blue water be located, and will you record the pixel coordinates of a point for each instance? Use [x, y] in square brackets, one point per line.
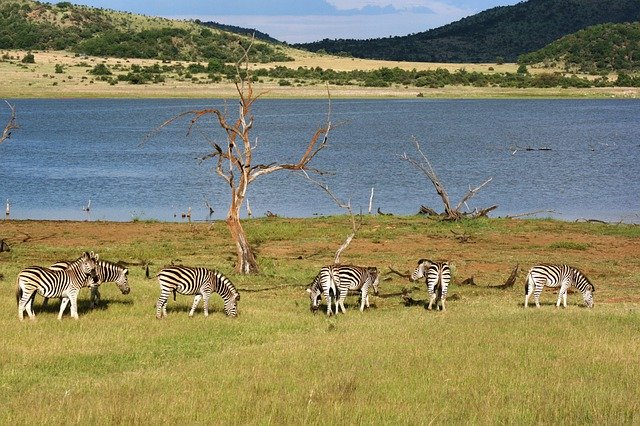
[111, 152]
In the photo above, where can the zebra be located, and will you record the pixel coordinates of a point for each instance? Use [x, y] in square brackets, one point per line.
[200, 282]
[322, 284]
[65, 283]
[107, 272]
[438, 277]
[562, 276]
[340, 279]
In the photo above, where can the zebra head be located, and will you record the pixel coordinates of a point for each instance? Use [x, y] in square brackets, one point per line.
[587, 294]
[374, 276]
[88, 263]
[122, 281]
[231, 305]
[315, 294]
[420, 270]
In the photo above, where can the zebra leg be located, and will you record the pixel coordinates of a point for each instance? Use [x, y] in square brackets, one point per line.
[432, 298]
[95, 296]
[63, 306]
[341, 299]
[327, 298]
[206, 304]
[161, 305]
[25, 304]
[196, 300]
[73, 298]
[528, 289]
[562, 295]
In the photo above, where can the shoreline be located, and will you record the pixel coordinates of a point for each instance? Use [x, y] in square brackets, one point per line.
[63, 75]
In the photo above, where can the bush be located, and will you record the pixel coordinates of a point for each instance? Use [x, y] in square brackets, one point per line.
[100, 69]
[29, 59]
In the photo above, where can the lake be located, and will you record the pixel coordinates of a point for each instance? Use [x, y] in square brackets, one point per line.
[111, 152]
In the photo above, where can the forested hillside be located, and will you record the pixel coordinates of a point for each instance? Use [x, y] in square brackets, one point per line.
[26, 24]
[501, 33]
[597, 49]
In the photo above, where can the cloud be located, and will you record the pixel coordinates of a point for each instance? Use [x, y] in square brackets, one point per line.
[310, 28]
[296, 21]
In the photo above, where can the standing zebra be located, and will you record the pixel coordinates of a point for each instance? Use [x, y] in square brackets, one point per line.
[200, 282]
[438, 277]
[65, 283]
[106, 272]
[562, 276]
[341, 279]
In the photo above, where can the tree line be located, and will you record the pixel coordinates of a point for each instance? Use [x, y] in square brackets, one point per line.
[98, 32]
[597, 49]
[216, 71]
[505, 32]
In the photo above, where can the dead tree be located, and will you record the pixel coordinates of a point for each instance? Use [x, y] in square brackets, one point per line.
[450, 213]
[11, 124]
[234, 159]
[341, 204]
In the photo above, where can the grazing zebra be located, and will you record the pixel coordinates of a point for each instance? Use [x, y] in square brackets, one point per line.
[107, 272]
[322, 284]
[65, 283]
[200, 282]
[438, 277]
[562, 276]
[340, 279]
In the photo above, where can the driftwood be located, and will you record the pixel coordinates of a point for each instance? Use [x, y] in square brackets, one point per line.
[11, 124]
[461, 237]
[468, 281]
[507, 284]
[450, 213]
[393, 271]
[510, 281]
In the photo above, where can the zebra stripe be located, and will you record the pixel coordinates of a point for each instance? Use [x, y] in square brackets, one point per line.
[438, 277]
[107, 272]
[322, 284]
[340, 279]
[64, 283]
[562, 276]
[200, 282]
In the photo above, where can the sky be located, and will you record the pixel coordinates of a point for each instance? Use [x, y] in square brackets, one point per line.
[301, 21]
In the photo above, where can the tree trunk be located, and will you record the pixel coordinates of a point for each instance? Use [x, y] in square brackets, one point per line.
[246, 263]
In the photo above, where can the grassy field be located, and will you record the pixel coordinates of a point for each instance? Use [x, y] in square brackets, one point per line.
[485, 360]
[40, 80]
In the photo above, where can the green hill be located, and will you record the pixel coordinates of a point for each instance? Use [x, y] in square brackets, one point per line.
[28, 24]
[597, 49]
[501, 33]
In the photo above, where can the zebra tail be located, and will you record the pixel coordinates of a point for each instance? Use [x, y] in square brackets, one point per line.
[174, 294]
[18, 294]
[526, 284]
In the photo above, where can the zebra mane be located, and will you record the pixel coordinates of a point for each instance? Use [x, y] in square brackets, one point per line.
[583, 276]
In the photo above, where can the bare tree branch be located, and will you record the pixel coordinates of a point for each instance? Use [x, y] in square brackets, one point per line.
[11, 124]
[471, 193]
[341, 204]
[450, 213]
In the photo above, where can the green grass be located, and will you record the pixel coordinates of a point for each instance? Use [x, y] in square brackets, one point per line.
[485, 360]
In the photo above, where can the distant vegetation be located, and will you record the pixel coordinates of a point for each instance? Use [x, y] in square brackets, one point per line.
[598, 49]
[500, 33]
[250, 32]
[26, 24]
